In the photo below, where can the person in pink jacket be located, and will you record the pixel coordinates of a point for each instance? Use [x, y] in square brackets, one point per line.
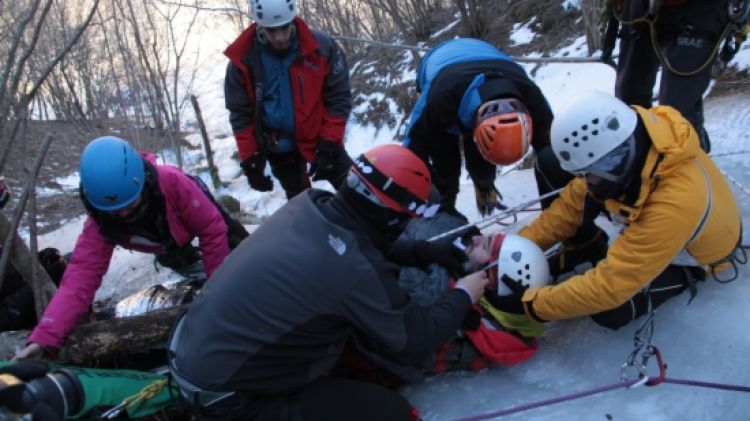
[136, 204]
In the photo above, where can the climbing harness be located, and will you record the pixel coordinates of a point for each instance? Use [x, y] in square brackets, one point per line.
[497, 219]
[146, 393]
[641, 347]
[650, 17]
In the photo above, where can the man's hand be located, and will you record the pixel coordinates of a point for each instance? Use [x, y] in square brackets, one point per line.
[474, 285]
[488, 200]
[325, 166]
[443, 253]
[508, 303]
[254, 168]
[32, 350]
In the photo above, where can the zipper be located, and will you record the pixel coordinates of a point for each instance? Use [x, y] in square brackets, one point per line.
[301, 88]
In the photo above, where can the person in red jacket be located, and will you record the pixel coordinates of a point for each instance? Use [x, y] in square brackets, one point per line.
[138, 205]
[288, 95]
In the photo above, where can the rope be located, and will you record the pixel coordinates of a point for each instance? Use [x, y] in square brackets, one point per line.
[723, 154]
[515, 58]
[147, 392]
[532, 405]
[721, 386]
[735, 182]
[624, 383]
[498, 218]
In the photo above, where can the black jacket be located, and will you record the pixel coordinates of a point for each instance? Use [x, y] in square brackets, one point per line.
[278, 312]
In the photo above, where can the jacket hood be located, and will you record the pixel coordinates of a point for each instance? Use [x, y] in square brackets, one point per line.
[237, 49]
[673, 142]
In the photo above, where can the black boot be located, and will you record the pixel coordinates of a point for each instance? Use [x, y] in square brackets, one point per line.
[576, 255]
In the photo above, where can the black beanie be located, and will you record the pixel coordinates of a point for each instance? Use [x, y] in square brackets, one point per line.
[53, 263]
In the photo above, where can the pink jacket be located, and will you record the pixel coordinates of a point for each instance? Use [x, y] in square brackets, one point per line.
[190, 213]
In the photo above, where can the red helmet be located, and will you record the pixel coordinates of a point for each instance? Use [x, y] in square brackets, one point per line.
[394, 178]
[503, 130]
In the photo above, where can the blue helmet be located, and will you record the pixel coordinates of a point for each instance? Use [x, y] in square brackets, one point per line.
[112, 173]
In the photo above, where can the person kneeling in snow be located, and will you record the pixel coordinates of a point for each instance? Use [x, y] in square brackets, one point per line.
[644, 168]
[136, 204]
[262, 338]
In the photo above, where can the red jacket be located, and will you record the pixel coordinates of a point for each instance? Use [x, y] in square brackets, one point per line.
[320, 85]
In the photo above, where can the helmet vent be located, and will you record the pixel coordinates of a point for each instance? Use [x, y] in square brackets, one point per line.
[613, 124]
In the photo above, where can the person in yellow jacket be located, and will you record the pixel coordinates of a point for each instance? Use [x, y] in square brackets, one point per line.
[646, 170]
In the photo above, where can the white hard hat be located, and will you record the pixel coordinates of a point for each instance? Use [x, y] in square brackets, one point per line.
[273, 13]
[588, 127]
[520, 259]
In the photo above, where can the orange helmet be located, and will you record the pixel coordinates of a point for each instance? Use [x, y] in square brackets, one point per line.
[395, 178]
[503, 130]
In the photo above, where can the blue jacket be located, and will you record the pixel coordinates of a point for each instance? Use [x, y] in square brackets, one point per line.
[454, 79]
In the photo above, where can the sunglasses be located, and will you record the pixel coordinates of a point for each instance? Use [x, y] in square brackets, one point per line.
[614, 164]
[281, 28]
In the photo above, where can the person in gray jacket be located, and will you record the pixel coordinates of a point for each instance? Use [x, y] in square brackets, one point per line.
[261, 340]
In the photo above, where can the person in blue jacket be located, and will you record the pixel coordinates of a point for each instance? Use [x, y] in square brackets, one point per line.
[476, 98]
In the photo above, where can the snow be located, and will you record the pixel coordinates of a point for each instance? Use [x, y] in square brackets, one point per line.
[522, 33]
[707, 340]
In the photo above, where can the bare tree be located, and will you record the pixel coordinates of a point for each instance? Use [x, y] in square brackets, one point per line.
[473, 17]
[19, 72]
[592, 11]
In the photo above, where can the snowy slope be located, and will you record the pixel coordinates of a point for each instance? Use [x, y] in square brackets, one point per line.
[707, 340]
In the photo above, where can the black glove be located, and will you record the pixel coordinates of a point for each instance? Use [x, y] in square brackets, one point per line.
[488, 200]
[253, 168]
[325, 166]
[508, 303]
[443, 253]
[472, 320]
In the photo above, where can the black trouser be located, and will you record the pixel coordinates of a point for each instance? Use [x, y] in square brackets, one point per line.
[446, 167]
[686, 35]
[670, 283]
[291, 171]
[327, 398]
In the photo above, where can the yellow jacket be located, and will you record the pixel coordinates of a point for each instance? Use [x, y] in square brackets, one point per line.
[685, 209]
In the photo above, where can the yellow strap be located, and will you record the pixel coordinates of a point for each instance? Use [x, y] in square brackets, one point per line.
[147, 392]
[9, 380]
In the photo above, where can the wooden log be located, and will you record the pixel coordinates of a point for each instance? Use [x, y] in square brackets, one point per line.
[118, 337]
[20, 257]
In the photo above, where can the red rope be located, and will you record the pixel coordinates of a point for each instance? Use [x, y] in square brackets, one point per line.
[662, 378]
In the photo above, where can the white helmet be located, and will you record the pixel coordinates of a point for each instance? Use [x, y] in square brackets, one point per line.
[521, 260]
[588, 127]
[273, 13]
